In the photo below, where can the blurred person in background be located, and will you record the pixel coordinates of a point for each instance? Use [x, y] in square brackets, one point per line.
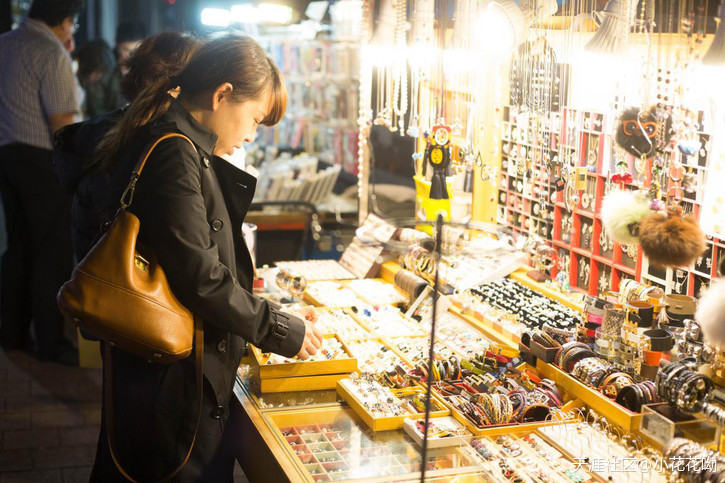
[128, 37]
[75, 158]
[38, 96]
[97, 75]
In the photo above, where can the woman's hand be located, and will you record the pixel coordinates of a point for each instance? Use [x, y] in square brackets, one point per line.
[312, 341]
[307, 313]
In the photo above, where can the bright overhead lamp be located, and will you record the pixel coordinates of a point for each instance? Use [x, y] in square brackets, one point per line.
[215, 17]
[246, 13]
[503, 25]
[275, 13]
[615, 21]
[716, 53]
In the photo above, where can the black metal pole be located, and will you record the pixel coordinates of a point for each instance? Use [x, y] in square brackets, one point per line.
[431, 352]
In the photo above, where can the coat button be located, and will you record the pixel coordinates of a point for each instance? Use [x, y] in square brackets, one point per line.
[222, 346]
[205, 160]
[217, 412]
[217, 224]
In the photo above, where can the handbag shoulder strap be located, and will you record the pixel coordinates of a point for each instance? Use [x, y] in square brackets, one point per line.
[127, 197]
[108, 400]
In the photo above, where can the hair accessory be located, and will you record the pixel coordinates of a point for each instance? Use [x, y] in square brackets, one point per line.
[671, 241]
[622, 212]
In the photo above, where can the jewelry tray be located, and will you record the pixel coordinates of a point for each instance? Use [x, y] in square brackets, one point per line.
[301, 376]
[412, 431]
[377, 423]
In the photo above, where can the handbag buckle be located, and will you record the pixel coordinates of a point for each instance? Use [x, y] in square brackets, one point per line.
[141, 263]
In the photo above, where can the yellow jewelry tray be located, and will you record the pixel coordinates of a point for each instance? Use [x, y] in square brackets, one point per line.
[511, 428]
[493, 329]
[597, 401]
[569, 400]
[310, 299]
[303, 383]
[301, 376]
[391, 422]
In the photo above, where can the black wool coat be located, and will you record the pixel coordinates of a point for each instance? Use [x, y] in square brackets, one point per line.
[191, 206]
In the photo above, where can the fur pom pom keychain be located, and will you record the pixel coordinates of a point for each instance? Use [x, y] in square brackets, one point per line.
[622, 212]
[710, 313]
[671, 240]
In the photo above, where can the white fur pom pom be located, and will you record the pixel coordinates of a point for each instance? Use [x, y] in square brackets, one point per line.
[710, 313]
[621, 213]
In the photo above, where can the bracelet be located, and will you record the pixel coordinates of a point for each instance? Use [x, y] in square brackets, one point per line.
[565, 349]
[535, 412]
[695, 390]
[658, 340]
[577, 355]
[613, 380]
[566, 333]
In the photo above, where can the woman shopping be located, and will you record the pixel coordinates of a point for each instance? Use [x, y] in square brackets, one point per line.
[191, 205]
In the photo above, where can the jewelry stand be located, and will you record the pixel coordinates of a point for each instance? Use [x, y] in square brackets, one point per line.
[431, 353]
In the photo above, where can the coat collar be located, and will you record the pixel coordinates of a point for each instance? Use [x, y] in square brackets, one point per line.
[185, 122]
[237, 187]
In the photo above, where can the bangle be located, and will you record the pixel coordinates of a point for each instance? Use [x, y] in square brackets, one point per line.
[577, 355]
[631, 398]
[535, 412]
[614, 382]
[694, 391]
[658, 340]
[565, 349]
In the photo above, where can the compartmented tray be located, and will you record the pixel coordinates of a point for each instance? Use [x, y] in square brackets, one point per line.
[300, 375]
[510, 428]
[349, 299]
[395, 296]
[297, 368]
[385, 423]
[617, 414]
[411, 428]
[332, 444]
[302, 383]
[386, 321]
[353, 329]
[569, 402]
[490, 328]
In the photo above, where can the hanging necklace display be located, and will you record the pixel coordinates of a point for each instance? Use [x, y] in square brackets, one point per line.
[534, 78]
[400, 86]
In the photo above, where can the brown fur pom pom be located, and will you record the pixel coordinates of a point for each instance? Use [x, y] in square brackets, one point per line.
[671, 242]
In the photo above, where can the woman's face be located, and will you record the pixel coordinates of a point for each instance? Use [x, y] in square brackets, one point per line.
[234, 122]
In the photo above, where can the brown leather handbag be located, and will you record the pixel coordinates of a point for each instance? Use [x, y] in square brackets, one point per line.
[119, 292]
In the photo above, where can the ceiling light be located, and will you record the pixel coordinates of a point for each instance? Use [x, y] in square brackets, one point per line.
[246, 13]
[615, 22]
[215, 17]
[275, 13]
[503, 25]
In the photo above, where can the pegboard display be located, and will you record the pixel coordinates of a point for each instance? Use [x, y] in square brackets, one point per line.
[579, 144]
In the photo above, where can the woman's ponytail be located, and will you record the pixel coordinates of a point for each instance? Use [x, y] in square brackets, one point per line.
[152, 102]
